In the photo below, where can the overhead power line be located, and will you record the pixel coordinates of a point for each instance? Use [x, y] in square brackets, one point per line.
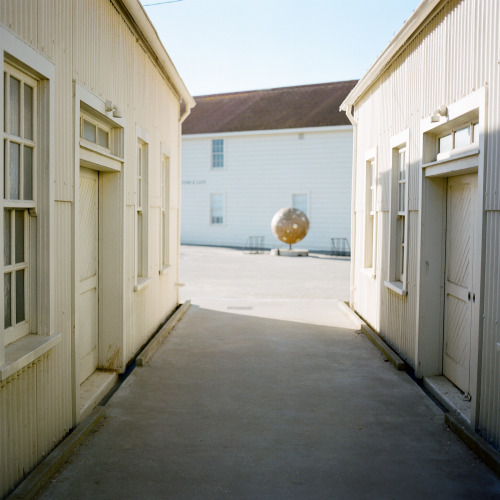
[160, 3]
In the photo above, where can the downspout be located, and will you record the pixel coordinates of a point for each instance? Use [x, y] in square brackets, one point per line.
[349, 112]
[182, 117]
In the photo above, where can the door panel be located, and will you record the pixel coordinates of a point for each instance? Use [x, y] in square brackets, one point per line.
[88, 257]
[461, 202]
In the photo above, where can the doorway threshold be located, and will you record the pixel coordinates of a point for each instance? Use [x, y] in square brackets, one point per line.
[94, 388]
[450, 396]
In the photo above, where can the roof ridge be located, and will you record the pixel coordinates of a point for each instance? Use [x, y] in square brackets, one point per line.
[254, 91]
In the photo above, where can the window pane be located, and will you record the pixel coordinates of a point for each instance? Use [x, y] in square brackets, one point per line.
[7, 300]
[89, 131]
[15, 106]
[139, 244]
[218, 153]
[28, 173]
[6, 238]
[28, 112]
[402, 197]
[20, 316]
[445, 143]
[217, 145]
[402, 165]
[217, 208]
[14, 171]
[19, 235]
[102, 138]
[476, 132]
[462, 137]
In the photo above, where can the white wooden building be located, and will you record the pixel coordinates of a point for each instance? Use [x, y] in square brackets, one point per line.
[248, 154]
[426, 201]
[91, 118]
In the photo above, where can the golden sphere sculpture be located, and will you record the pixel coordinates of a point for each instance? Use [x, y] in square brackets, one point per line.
[290, 225]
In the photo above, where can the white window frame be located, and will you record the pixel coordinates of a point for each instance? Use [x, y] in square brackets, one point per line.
[397, 280]
[218, 154]
[370, 211]
[142, 277]
[15, 355]
[18, 205]
[99, 126]
[223, 222]
[455, 116]
[165, 184]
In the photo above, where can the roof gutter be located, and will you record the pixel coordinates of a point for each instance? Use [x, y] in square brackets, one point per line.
[395, 45]
[144, 24]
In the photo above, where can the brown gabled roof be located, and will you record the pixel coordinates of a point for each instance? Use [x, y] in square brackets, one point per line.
[287, 107]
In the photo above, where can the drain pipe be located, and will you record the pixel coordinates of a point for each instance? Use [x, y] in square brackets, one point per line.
[349, 111]
[182, 116]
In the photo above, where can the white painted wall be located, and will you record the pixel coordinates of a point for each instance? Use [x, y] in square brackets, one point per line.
[87, 53]
[452, 61]
[262, 171]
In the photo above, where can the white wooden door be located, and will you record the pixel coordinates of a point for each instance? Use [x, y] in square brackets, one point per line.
[88, 257]
[459, 295]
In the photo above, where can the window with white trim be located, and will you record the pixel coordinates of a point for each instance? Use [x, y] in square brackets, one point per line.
[26, 186]
[217, 153]
[398, 245]
[217, 209]
[165, 188]
[458, 139]
[370, 212]
[301, 202]
[142, 205]
[453, 136]
[19, 203]
[95, 131]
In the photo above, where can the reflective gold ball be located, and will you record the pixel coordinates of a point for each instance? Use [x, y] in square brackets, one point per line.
[290, 225]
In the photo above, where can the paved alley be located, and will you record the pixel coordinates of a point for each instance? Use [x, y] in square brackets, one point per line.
[241, 402]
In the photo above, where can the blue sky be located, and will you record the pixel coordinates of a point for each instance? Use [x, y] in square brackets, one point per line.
[231, 45]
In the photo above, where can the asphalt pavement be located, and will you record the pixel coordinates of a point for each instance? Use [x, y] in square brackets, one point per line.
[265, 390]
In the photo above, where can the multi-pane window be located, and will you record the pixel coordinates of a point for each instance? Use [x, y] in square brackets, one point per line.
[458, 138]
[165, 177]
[300, 202]
[398, 216]
[217, 153]
[142, 210]
[217, 208]
[402, 216]
[94, 132]
[20, 143]
[370, 213]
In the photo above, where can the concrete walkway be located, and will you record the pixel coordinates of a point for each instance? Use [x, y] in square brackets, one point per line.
[247, 407]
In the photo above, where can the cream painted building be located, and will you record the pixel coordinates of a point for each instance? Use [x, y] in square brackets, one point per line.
[245, 155]
[426, 202]
[91, 114]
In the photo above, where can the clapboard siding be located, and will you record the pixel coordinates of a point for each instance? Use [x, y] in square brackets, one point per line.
[261, 173]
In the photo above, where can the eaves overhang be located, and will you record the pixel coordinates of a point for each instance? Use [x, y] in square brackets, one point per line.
[402, 37]
[147, 30]
[283, 131]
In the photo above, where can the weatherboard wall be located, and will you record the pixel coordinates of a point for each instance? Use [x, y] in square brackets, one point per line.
[261, 172]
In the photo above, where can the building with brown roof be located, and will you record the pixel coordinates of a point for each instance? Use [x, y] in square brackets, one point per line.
[248, 154]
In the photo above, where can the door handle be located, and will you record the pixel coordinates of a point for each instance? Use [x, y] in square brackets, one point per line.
[469, 296]
[474, 298]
